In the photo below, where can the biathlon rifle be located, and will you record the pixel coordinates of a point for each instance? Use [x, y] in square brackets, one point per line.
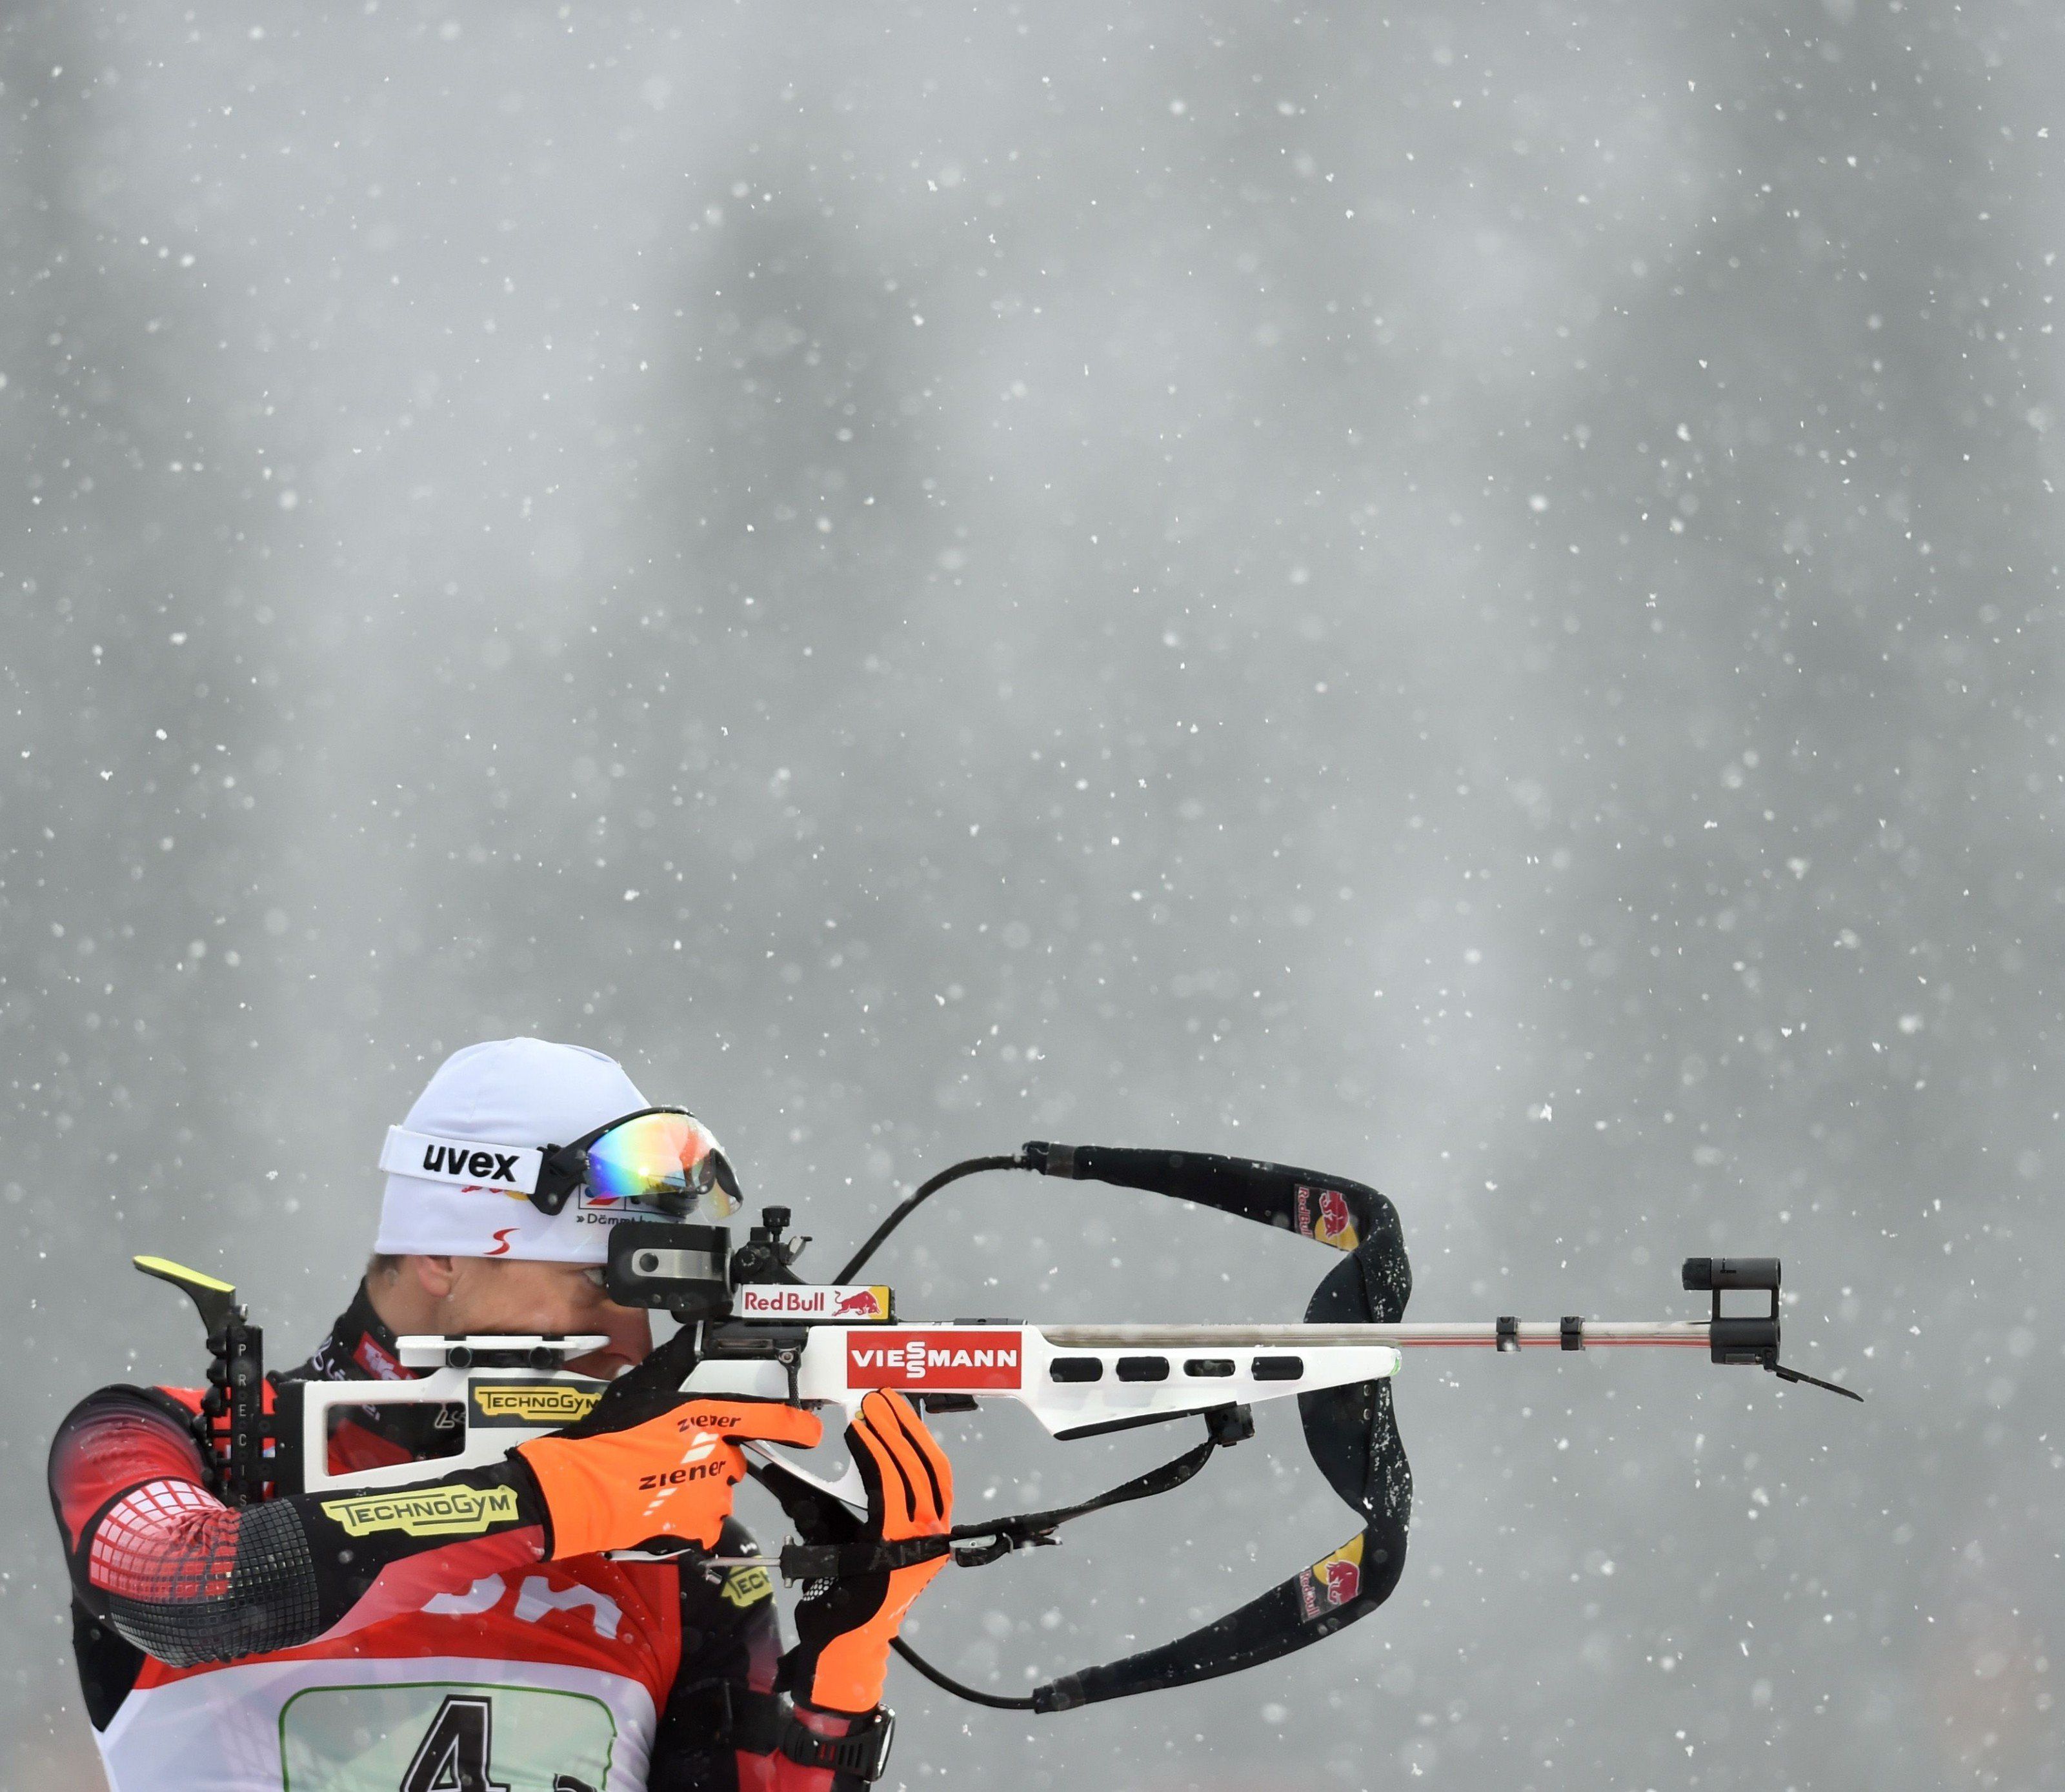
[752, 1326]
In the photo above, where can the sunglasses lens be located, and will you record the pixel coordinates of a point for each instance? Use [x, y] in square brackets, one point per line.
[668, 1161]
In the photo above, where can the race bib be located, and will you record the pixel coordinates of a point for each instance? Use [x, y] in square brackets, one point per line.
[444, 1736]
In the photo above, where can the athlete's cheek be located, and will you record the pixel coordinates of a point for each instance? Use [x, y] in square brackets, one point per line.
[629, 1330]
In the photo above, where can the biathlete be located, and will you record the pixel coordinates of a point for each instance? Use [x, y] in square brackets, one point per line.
[467, 1631]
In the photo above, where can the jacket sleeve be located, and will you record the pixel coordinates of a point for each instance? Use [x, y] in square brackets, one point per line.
[187, 1579]
[720, 1731]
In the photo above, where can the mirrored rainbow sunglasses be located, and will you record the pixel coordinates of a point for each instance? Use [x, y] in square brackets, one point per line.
[662, 1158]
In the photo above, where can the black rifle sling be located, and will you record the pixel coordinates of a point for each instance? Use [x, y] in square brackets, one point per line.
[1351, 1431]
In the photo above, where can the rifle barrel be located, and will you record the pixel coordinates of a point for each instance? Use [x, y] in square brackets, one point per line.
[1469, 1334]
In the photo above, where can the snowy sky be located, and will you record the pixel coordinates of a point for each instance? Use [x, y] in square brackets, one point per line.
[1464, 594]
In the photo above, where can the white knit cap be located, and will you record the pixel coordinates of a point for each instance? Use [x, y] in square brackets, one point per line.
[520, 1093]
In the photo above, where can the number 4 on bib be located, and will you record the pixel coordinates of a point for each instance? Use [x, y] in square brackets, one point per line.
[454, 1755]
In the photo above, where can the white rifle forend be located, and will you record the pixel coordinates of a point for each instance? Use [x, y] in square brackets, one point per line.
[1073, 1389]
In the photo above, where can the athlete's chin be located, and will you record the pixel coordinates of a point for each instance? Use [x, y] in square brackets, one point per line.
[602, 1365]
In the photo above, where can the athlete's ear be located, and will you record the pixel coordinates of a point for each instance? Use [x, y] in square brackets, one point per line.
[436, 1275]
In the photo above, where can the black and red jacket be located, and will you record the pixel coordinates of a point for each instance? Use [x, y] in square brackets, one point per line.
[226, 1649]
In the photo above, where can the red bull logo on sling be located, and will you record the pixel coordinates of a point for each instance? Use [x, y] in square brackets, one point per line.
[1323, 1215]
[1331, 1582]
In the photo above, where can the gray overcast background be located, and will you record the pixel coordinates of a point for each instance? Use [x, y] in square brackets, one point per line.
[1465, 595]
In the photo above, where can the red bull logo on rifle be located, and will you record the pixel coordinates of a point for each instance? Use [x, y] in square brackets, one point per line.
[1323, 1215]
[945, 1361]
[823, 1301]
[1331, 1582]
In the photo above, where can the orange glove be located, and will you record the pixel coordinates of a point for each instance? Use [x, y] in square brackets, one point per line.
[845, 1630]
[670, 1476]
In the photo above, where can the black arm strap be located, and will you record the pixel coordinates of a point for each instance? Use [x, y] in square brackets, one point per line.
[863, 1751]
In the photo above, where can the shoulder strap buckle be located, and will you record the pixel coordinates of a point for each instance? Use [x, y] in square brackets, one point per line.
[863, 1751]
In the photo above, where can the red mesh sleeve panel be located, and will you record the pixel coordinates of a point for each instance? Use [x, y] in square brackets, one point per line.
[187, 1580]
[165, 1541]
[116, 1441]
